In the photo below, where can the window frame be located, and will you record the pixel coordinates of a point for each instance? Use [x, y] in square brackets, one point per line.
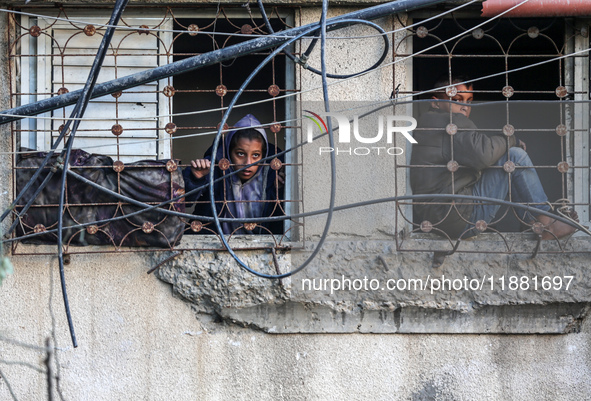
[576, 78]
[31, 78]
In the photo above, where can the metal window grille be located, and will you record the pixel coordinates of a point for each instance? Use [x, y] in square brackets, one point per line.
[544, 105]
[51, 57]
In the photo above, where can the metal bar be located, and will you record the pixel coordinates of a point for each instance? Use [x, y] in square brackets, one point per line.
[168, 259]
[204, 60]
[81, 107]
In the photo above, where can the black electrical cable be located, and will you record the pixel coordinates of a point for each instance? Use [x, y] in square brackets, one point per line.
[147, 207]
[324, 211]
[303, 60]
[419, 197]
[216, 144]
[331, 142]
[83, 102]
[38, 172]
[206, 59]
[266, 219]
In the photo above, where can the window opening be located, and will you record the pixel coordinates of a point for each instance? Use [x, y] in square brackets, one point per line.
[548, 128]
[54, 56]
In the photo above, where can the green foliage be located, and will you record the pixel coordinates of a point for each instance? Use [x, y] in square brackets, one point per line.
[5, 263]
[5, 268]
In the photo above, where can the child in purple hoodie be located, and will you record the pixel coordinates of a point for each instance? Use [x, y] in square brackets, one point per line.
[254, 192]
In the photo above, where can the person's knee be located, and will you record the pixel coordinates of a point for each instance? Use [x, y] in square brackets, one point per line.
[519, 157]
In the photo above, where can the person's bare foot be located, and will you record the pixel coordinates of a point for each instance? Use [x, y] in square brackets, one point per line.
[557, 229]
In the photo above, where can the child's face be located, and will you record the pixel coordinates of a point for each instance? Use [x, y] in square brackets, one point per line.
[245, 152]
[461, 97]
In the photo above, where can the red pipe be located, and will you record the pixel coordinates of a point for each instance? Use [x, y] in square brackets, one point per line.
[537, 8]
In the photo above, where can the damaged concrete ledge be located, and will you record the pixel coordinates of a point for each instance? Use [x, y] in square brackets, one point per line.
[293, 317]
[369, 287]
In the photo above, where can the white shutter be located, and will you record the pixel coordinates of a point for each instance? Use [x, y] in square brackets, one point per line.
[69, 54]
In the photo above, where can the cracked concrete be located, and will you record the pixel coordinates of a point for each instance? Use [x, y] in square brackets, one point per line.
[366, 286]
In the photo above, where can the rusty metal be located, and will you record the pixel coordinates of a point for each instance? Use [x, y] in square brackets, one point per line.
[170, 128]
[221, 90]
[533, 32]
[538, 228]
[39, 228]
[451, 129]
[250, 226]
[561, 92]
[426, 226]
[451, 91]
[168, 259]
[171, 166]
[246, 29]
[224, 164]
[226, 127]
[144, 30]
[93, 229]
[453, 166]
[228, 53]
[61, 128]
[275, 128]
[89, 30]
[273, 90]
[422, 32]
[116, 94]
[481, 225]
[276, 107]
[560, 149]
[196, 226]
[35, 31]
[117, 129]
[509, 166]
[276, 164]
[193, 29]
[62, 91]
[147, 227]
[168, 91]
[561, 130]
[118, 166]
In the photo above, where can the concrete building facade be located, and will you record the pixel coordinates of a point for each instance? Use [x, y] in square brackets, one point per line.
[387, 309]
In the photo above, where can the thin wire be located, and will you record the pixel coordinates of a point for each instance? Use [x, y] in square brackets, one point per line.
[324, 235]
[214, 154]
[325, 86]
[210, 33]
[388, 101]
[297, 215]
[251, 103]
[361, 74]
[8, 386]
[20, 363]
[83, 101]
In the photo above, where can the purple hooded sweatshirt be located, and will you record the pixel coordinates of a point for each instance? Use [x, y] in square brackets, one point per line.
[242, 197]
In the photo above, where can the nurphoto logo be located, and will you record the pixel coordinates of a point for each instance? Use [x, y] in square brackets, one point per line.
[314, 121]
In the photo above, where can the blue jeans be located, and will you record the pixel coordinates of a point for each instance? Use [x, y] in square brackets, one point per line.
[494, 183]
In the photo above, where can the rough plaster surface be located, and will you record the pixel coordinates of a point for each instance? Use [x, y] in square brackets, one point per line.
[138, 341]
[335, 293]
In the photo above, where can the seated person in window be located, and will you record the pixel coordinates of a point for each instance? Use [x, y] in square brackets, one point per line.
[254, 192]
[474, 151]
